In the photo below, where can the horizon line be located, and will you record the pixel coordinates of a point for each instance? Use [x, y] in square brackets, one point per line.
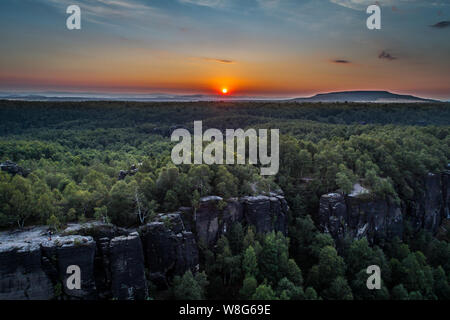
[167, 96]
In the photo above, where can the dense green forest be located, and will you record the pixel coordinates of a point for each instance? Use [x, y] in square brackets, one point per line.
[75, 151]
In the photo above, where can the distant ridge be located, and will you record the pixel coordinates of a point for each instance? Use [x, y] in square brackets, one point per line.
[345, 96]
[363, 96]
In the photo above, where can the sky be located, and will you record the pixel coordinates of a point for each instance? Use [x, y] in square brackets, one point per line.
[279, 48]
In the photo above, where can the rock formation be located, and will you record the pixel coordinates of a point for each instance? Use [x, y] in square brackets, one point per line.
[428, 208]
[265, 213]
[168, 248]
[361, 215]
[21, 273]
[357, 217]
[131, 172]
[12, 168]
[126, 265]
[117, 263]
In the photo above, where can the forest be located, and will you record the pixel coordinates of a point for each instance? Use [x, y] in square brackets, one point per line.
[74, 153]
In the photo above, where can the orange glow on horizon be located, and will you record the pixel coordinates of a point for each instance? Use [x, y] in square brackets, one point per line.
[224, 90]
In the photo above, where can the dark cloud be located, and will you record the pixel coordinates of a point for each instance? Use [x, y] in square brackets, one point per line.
[220, 60]
[441, 25]
[340, 61]
[386, 55]
[226, 61]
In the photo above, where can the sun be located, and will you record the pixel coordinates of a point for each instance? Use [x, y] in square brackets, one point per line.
[224, 90]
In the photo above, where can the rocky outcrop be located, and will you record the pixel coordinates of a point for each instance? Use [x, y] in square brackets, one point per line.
[131, 172]
[35, 267]
[12, 168]
[102, 233]
[95, 229]
[427, 209]
[446, 193]
[265, 213]
[126, 265]
[359, 217]
[21, 273]
[211, 221]
[66, 251]
[114, 261]
[168, 248]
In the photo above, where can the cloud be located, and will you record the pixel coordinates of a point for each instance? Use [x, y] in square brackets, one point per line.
[268, 4]
[123, 4]
[109, 12]
[363, 4]
[355, 4]
[224, 61]
[204, 3]
[441, 25]
[107, 8]
[340, 61]
[386, 55]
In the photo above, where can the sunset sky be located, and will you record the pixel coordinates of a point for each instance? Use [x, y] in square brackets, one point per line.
[251, 47]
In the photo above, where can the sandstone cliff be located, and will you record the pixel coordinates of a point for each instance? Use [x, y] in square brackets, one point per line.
[117, 263]
[358, 216]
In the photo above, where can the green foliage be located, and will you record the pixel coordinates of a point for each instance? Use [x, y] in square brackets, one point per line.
[264, 292]
[53, 222]
[248, 287]
[189, 287]
[76, 150]
[273, 259]
[250, 262]
[286, 290]
[338, 290]
[399, 293]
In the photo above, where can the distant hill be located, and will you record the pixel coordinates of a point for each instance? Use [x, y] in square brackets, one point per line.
[346, 96]
[363, 96]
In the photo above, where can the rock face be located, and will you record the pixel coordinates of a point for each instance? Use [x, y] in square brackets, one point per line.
[21, 273]
[126, 264]
[13, 168]
[359, 217]
[168, 248]
[446, 193]
[66, 251]
[428, 208]
[265, 213]
[113, 261]
[131, 172]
